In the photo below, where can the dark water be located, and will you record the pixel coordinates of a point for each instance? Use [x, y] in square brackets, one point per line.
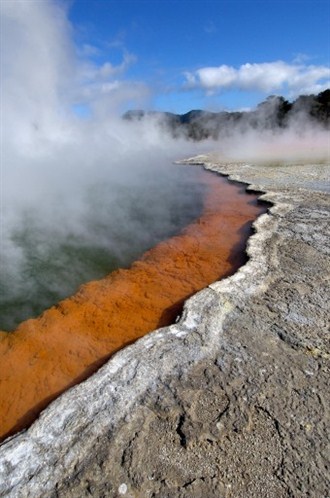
[119, 221]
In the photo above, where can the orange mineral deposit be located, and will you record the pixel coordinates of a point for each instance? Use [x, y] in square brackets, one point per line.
[47, 355]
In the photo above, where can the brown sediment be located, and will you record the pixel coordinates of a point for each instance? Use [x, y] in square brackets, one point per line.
[68, 342]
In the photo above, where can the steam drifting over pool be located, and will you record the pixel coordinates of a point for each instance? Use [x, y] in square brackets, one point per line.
[67, 175]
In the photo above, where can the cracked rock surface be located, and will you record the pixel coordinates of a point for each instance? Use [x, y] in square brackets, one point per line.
[231, 401]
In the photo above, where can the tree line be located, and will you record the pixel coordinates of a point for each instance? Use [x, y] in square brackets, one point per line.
[275, 113]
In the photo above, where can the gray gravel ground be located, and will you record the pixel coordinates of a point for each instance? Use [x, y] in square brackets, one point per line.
[232, 401]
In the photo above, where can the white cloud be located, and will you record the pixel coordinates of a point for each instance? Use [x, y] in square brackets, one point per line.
[301, 58]
[88, 50]
[105, 98]
[265, 77]
[107, 69]
[104, 89]
[44, 76]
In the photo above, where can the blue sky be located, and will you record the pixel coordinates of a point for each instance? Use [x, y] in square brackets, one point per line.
[220, 54]
[102, 57]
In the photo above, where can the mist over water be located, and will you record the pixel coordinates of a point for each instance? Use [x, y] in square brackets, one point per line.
[79, 196]
[300, 143]
[82, 194]
[53, 248]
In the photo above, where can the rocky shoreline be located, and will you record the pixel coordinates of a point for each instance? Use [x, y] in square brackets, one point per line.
[70, 341]
[231, 401]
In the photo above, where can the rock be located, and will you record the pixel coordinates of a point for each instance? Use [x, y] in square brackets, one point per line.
[70, 341]
[232, 401]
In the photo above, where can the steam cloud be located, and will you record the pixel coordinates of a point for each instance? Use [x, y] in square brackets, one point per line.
[78, 195]
[265, 77]
[63, 177]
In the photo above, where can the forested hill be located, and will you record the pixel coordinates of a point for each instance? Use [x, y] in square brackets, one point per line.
[274, 113]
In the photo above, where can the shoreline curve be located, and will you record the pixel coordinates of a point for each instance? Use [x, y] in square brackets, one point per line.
[248, 353]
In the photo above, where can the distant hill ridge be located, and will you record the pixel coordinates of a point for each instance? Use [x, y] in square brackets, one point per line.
[274, 113]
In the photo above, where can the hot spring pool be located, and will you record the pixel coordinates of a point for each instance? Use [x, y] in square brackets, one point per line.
[53, 252]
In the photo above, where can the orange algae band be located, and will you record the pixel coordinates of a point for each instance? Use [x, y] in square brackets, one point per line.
[68, 342]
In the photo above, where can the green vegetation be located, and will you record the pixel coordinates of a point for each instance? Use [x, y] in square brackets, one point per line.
[274, 113]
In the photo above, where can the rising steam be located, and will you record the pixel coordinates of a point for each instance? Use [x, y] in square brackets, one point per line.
[70, 184]
[80, 196]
